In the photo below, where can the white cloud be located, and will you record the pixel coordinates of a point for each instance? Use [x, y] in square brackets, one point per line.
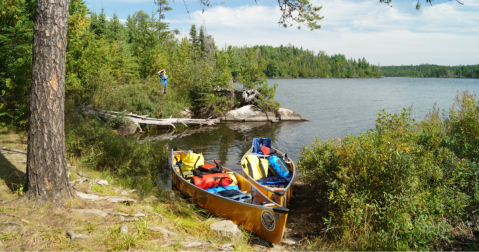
[446, 33]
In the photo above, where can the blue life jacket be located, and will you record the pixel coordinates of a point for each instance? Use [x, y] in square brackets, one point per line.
[220, 188]
[280, 167]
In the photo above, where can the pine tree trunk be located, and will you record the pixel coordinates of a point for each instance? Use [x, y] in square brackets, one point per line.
[46, 161]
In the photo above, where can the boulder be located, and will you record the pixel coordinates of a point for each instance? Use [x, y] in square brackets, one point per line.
[249, 113]
[127, 129]
[288, 115]
[226, 228]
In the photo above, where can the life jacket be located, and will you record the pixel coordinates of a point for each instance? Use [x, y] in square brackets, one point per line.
[212, 180]
[280, 167]
[221, 188]
[255, 167]
[208, 169]
[192, 161]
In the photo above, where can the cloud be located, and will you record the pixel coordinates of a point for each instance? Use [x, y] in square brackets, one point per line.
[446, 33]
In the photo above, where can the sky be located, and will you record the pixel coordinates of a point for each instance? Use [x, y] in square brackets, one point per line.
[446, 33]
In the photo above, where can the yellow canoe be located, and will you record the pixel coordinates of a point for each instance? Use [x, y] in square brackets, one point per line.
[262, 216]
[278, 194]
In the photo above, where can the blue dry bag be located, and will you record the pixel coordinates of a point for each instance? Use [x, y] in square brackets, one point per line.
[280, 167]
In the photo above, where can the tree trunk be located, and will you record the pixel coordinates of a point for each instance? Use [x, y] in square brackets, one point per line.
[46, 161]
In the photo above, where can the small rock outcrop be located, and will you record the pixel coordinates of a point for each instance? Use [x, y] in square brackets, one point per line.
[288, 115]
[251, 113]
[226, 228]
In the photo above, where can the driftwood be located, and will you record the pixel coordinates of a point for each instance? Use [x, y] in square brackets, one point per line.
[144, 119]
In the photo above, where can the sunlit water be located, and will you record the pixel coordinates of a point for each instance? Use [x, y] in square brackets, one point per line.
[333, 107]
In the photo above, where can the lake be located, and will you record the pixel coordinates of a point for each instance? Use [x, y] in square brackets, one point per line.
[333, 107]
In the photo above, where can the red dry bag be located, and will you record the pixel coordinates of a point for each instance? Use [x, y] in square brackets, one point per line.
[212, 180]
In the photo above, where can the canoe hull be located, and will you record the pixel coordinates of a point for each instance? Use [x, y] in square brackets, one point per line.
[254, 218]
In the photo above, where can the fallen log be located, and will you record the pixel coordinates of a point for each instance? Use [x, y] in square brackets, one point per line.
[144, 119]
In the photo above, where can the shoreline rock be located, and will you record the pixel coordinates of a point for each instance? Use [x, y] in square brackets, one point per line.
[251, 113]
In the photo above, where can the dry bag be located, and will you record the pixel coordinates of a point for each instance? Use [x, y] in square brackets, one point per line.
[212, 180]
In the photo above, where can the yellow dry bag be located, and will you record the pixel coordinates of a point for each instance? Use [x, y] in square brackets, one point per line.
[255, 167]
[192, 161]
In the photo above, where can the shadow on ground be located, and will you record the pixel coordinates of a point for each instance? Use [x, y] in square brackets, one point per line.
[11, 175]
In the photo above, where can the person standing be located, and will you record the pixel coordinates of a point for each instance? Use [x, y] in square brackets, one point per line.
[163, 79]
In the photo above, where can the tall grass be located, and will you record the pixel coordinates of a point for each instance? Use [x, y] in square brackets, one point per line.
[403, 185]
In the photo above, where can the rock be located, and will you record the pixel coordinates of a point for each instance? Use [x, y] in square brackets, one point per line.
[74, 236]
[288, 115]
[229, 246]
[121, 218]
[278, 248]
[96, 212]
[124, 229]
[139, 215]
[124, 193]
[261, 242]
[127, 129]
[258, 248]
[161, 230]
[226, 228]
[186, 113]
[288, 242]
[195, 244]
[88, 196]
[121, 214]
[102, 182]
[119, 199]
[248, 113]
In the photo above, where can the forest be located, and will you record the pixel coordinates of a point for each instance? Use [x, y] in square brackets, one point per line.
[432, 71]
[114, 66]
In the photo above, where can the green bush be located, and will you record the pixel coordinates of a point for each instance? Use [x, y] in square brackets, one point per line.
[144, 98]
[397, 187]
[99, 147]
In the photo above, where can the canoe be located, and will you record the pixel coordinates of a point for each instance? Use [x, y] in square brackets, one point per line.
[279, 194]
[260, 215]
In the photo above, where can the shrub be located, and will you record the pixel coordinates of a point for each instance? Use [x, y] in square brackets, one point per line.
[397, 187]
[99, 147]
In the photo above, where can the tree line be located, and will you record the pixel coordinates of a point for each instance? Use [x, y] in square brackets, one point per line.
[112, 65]
[432, 71]
[293, 62]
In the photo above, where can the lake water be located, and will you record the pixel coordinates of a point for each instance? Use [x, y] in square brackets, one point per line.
[333, 107]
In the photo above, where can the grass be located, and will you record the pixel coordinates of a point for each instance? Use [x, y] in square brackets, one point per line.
[45, 227]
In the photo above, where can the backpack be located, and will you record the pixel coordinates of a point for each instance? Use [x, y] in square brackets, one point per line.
[208, 169]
